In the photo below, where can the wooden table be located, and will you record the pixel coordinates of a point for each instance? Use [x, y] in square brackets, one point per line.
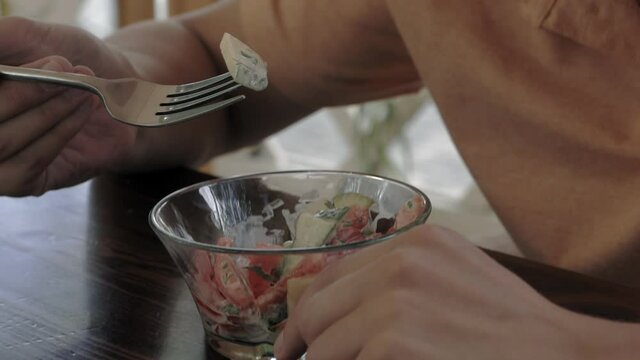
[84, 277]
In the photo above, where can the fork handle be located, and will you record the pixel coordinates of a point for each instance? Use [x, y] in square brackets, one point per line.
[61, 78]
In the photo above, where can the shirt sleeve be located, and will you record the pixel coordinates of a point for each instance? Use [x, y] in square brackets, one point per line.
[545, 116]
[611, 27]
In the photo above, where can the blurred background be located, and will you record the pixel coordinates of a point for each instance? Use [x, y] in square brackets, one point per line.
[403, 137]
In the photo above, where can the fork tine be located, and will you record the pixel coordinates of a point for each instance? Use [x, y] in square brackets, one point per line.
[197, 86]
[171, 109]
[173, 118]
[194, 95]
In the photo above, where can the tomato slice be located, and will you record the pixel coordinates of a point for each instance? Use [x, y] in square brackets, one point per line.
[347, 235]
[231, 281]
[357, 217]
[202, 262]
[311, 264]
[262, 271]
[409, 212]
[349, 228]
[273, 295]
[224, 241]
[205, 288]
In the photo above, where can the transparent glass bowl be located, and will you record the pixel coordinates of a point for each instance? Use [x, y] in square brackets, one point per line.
[231, 240]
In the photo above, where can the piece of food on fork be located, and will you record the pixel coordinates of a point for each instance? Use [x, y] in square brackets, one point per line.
[245, 66]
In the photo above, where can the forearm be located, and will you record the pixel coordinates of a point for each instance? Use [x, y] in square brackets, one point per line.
[174, 52]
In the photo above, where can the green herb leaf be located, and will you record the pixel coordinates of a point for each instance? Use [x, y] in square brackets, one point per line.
[332, 214]
[230, 309]
[276, 316]
[260, 272]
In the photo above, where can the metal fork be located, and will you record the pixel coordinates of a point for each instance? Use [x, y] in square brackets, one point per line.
[139, 102]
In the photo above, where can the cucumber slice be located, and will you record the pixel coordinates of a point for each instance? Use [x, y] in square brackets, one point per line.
[309, 208]
[317, 221]
[311, 231]
[316, 206]
[352, 199]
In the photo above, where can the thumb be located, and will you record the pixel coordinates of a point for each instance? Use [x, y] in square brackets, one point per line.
[24, 41]
[290, 345]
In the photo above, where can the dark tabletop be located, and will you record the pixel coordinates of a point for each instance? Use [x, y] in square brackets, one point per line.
[83, 277]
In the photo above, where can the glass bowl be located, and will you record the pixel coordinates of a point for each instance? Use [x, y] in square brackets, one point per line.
[248, 246]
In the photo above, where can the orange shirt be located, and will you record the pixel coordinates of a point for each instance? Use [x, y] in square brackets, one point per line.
[542, 98]
[543, 101]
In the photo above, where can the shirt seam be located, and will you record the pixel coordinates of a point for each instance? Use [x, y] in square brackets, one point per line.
[547, 13]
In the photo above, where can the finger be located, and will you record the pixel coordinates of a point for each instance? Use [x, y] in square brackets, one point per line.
[390, 326]
[19, 96]
[44, 106]
[81, 69]
[25, 173]
[20, 131]
[23, 40]
[346, 338]
[307, 321]
[289, 345]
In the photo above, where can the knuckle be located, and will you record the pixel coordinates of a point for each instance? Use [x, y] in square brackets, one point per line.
[401, 266]
[442, 233]
[437, 238]
[415, 238]
[33, 31]
[397, 307]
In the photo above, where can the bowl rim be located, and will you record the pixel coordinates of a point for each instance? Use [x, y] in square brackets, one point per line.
[153, 222]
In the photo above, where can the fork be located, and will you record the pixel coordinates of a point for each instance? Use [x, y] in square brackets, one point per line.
[142, 103]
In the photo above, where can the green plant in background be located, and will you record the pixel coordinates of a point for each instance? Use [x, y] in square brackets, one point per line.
[4, 7]
[373, 127]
